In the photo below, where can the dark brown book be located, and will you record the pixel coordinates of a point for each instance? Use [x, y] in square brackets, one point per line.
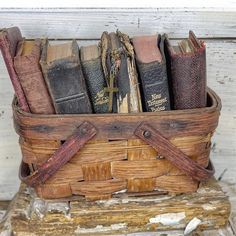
[62, 71]
[151, 65]
[26, 63]
[92, 67]
[9, 39]
[121, 72]
[187, 72]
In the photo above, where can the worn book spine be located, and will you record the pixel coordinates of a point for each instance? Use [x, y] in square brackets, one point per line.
[187, 73]
[30, 76]
[66, 82]
[95, 80]
[151, 65]
[9, 39]
[122, 77]
[128, 72]
[118, 64]
[110, 66]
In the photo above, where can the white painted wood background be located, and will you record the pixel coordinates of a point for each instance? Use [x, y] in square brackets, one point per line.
[216, 25]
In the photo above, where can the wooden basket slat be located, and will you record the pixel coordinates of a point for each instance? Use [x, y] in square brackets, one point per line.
[119, 126]
[115, 159]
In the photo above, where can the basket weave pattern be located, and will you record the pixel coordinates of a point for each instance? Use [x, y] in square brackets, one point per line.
[115, 160]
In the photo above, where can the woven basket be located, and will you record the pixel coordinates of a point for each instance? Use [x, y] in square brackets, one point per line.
[99, 155]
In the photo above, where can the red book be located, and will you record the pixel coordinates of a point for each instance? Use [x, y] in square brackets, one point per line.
[9, 39]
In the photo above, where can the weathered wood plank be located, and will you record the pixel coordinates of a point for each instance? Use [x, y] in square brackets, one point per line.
[90, 23]
[28, 214]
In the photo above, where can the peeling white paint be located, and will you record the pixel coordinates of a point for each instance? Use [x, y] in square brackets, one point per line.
[114, 201]
[108, 202]
[121, 191]
[41, 207]
[192, 225]
[143, 199]
[202, 190]
[59, 207]
[208, 207]
[101, 228]
[168, 218]
[6, 233]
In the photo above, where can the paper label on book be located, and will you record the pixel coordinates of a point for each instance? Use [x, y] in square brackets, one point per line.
[157, 102]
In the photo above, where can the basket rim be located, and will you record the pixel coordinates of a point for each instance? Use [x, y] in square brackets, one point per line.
[199, 121]
[215, 99]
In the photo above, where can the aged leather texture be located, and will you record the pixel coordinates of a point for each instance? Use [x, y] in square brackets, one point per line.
[66, 82]
[31, 78]
[95, 81]
[119, 68]
[153, 76]
[187, 76]
[9, 39]
[129, 93]
[123, 83]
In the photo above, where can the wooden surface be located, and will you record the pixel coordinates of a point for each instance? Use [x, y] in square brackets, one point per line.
[77, 23]
[217, 26]
[125, 214]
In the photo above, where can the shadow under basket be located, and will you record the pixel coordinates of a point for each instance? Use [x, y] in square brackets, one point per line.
[103, 155]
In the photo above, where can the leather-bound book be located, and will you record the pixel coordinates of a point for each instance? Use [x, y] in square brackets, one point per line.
[151, 65]
[9, 39]
[187, 72]
[122, 81]
[26, 63]
[62, 71]
[110, 66]
[121, 72]
[92, 67]
[129, 99]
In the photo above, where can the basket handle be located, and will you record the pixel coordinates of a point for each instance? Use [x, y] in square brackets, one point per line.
[61, 156]
[191, 168]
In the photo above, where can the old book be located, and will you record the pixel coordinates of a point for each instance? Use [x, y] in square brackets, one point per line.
[9, 39]
[151, 65]
[62, 71]
[95, 80]
[187, 72]
[131, 95]
[110, 70]
[121, 72]
[26, 63]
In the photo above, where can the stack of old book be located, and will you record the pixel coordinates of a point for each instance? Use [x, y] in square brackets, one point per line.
[119, 75]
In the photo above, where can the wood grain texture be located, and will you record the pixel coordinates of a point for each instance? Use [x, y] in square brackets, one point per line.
[90, 23]
[193, 128]
[60, 157]
[120, 215]
[181, 123]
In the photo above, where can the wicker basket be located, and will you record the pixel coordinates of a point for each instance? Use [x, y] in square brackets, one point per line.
[99, 155]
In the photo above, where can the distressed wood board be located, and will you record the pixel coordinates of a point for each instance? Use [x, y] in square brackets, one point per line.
[85, 23]
[29, 215]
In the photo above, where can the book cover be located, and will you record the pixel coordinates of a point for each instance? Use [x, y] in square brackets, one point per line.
[26, 63]
[119, 68]
[62, 71]
[9, 39]
[95, 80]
[151, 65]
[187, 72]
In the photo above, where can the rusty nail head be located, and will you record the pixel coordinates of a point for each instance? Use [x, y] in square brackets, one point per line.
[84, 130]
[147, 134]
